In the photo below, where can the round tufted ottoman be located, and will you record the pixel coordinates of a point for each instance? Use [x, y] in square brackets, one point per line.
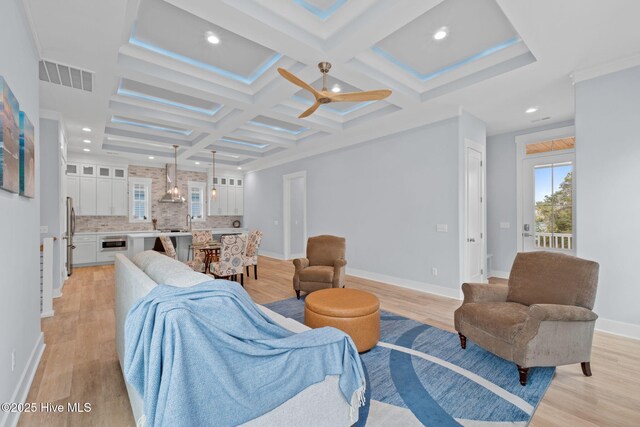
[356, 313]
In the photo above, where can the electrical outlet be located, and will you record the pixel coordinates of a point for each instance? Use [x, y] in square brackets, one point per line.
[434, 271]
[13, 360]
[275, 222]
[44, 229]
[442, 228]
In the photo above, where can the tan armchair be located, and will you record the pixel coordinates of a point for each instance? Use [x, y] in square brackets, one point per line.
[542, 317]
[323, 267]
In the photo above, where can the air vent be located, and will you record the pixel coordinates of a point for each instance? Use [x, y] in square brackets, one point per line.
[66, 76]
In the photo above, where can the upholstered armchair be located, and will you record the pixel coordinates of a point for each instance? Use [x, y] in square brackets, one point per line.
[231, 261]
[323, 267]
[542, 317]
[251, 255]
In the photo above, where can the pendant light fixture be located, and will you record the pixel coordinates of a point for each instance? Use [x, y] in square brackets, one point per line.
[176, 191]
[213, 175]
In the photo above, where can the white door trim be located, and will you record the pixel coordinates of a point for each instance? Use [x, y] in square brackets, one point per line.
[286, 210]
[521, 143]
[483, 150]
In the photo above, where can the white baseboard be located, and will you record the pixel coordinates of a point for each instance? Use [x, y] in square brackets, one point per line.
[271, 254]
[406, 283]
[22, 390]
[57, 292]
[499, 274]
[629, 330]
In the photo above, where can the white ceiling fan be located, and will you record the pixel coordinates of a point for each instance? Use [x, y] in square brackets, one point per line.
[325, 96]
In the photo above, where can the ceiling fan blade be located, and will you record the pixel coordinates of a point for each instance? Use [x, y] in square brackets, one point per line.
[372, 95]
[310, 111]
[296, 81]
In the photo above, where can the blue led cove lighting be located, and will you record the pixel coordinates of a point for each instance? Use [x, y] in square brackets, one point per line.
[182, 58]
[150, 126]
[145, 97]
[278, 128]
[322, 14]
[424, 77]
[246, 144]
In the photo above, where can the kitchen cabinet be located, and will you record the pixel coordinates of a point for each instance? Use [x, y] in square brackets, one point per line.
[230, 196]
[119, 197]
[103, 189]
[87, 199]
[98, 189]
[112, 197]
[85, 251]
[73, 189]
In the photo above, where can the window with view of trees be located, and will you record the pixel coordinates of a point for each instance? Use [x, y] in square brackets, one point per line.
[554, 206]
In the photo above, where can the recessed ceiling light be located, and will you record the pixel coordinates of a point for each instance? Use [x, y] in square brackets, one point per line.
[151, 157]
[86, 149]
[531, 110]
[197, 163]
[86, 141]
[86, 129]
[239, 168]
[212, 38]
[336, 89]
[441, 33]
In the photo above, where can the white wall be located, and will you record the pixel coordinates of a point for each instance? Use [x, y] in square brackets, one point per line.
[19, 224]
[386, 197]
[50, 215]
[501, 196]
[608, 174]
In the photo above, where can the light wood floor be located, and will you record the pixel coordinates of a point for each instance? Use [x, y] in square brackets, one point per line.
[80, 362]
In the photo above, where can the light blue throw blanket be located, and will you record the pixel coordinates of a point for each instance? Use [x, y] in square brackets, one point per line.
[208, 356]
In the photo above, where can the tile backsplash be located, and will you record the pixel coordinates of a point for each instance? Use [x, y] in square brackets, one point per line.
[169, 215]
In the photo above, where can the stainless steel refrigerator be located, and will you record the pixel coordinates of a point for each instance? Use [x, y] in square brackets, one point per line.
[71, 230]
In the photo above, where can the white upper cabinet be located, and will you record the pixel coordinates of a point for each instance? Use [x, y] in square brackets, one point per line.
[229, 199]
[87, 202]
[104, 172]
[73, 169]
[88, 170]
[98, 189]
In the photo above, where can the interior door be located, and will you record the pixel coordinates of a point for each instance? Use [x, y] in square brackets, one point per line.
[548, 203]
[474, 189]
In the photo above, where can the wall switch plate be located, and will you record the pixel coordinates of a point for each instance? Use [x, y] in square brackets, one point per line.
[505, 225]
[44, 229]
[275, 222]
[434, 271]
[442, 228]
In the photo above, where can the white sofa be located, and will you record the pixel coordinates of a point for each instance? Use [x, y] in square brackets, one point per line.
[321, 404]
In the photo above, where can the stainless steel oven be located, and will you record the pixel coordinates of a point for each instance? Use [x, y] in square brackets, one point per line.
[113, 243]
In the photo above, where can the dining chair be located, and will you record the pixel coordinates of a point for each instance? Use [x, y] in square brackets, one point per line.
[251, 255]
[231, 261]
[198, 237]
[196, 264]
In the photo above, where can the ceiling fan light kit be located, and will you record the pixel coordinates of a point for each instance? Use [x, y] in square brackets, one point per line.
[326, 96]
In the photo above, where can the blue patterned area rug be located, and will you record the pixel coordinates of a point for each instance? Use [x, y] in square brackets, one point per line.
[418, 375]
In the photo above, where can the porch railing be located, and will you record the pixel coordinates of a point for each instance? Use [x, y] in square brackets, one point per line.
[554, 240]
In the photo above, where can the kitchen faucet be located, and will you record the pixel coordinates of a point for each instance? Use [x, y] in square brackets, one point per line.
[189, 220]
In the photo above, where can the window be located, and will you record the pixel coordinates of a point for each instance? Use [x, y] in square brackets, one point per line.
[197, 200]
[140, 199]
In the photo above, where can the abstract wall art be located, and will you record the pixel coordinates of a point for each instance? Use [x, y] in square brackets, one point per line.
[9, 139]
[27, 157]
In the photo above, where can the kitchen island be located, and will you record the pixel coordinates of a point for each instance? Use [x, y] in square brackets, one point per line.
[138, 242]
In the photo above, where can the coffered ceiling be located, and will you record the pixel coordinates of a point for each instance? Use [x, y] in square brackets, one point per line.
[158, 81]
